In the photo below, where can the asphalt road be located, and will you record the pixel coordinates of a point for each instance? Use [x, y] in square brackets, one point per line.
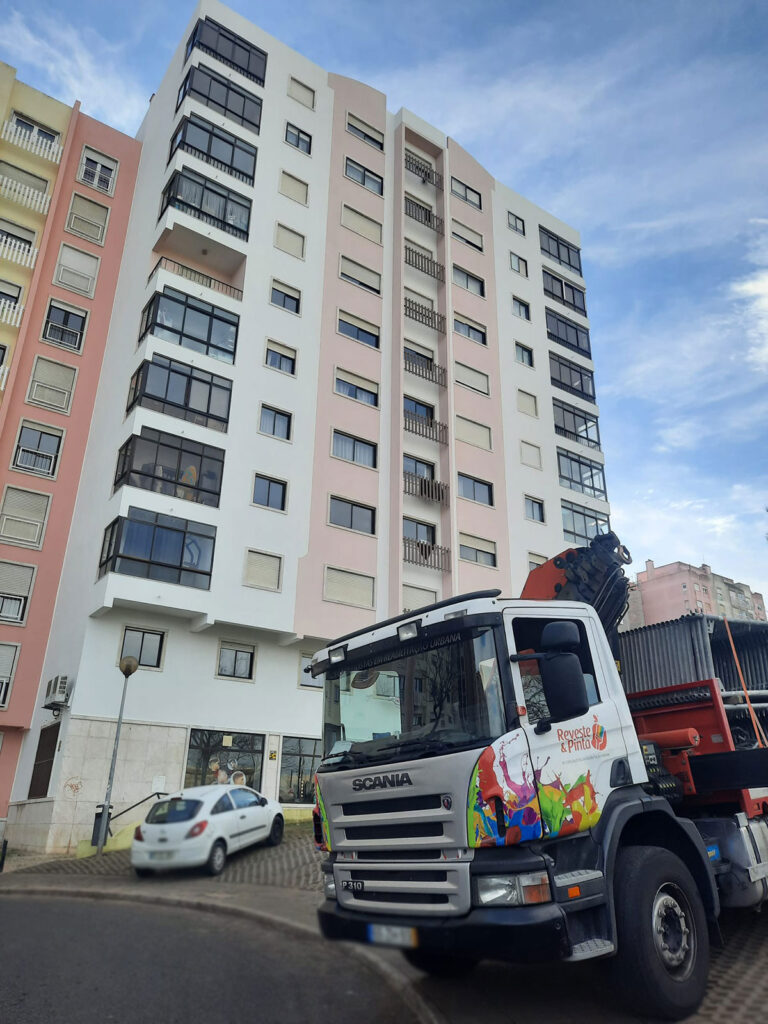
[68, 961]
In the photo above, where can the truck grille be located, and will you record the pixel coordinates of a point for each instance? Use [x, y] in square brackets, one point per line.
[391, 887]
[420, 830]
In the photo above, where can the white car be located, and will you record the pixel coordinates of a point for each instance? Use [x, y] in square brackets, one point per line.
[202, 825]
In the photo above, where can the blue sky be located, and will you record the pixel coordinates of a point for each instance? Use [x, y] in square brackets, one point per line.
[642, 123]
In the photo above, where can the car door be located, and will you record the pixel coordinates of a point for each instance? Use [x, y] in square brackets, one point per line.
[251, 817]
[226, 821]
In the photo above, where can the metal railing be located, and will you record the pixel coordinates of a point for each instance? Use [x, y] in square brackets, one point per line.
[230, 63]
[423, 215]
[218, 164]
[423, 170]
[422, 367]
[16, 251]
[422, 487]
[4, 371]
[433, 430]
[424, 315]
[216, 222]
[38, 462]
[425, 264]
[572, 436]
[29, 140]
[164, 263]
[419, 552]
[32, 198]
[10, 312]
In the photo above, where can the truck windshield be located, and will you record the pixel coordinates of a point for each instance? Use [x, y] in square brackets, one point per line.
[420, 698]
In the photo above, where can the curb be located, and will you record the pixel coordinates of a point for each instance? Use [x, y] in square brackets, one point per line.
[399, 982]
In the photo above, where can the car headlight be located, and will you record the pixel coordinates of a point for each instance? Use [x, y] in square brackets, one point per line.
[329, 886]
[513, 890]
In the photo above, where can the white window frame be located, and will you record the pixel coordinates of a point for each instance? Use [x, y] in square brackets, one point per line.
[70, 229]
[95, 154]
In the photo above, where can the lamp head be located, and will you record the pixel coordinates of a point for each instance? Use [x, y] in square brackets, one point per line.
[128, 665]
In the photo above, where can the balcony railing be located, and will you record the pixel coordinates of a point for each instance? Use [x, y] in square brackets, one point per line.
[423, 215]
[196, 277]
[17, 252]
[38, 462]
[419, 552]
[32, 198]
[572, 436]
[425, 264]
[25, 139]
[424, 315]
[425, 368]
[4, 371]
[423, 170]
[216, 222]
[10, 313]
[422, 487]
[431, 429]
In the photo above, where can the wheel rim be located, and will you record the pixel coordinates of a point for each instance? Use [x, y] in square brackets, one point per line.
[218, 858]
[674, 931]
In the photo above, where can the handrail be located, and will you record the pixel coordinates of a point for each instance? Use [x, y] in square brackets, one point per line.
[423, 487]
[138, 803]
[424, 315]
[421, 552]
[164, 263]
[423, 170]
[431, 429]
[425, 368]
[423, 215]
[425, 264]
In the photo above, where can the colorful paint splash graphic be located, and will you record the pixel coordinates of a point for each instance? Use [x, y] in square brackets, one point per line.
[568, 807]
[502, 810]
[319, 812]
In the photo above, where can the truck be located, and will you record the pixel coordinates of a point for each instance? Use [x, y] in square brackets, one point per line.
[490, 791]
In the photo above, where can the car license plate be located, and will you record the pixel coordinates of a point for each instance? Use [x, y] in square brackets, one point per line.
[393, 935]
[351, 885]
[160, 855]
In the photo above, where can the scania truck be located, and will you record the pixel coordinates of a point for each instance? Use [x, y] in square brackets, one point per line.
[489, 791]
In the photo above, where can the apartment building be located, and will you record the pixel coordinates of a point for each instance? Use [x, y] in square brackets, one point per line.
[347, 373]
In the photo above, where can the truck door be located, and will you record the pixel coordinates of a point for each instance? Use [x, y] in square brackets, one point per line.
[572, 761]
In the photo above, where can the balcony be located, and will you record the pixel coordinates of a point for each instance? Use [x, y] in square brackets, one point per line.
[16, 251]
[572, 436]
[164, 263]
[423, 215]
[433, 430]
[10, 313]
[432, 556]
[423, 170]
[422, 367]
[425, 264]
[422, 487]
[31, 142]
[424, 315]
[32, 198]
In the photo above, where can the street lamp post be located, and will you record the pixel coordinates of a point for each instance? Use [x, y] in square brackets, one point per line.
[128, 666]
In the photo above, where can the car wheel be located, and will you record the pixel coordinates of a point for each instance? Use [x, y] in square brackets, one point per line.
[276, 832]
[439, 964]
[143, 872]
[217, 858]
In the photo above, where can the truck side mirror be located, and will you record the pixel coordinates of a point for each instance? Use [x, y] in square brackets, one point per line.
[560, 636]
[565, 688]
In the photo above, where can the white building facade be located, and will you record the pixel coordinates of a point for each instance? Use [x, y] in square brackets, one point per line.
[347, 373]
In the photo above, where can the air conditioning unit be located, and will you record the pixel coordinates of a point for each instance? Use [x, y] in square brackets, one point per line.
[57, 693]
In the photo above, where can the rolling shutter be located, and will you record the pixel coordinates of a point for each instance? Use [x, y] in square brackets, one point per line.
[294, 188]
[472, 378]
[301, 92]
[417, 597]
[349, 587]
[530, 454]
[87, 218]
[473, 433]
[365, 226]
[16, 580]
[262, 570]
[527, 403]
[290, 241]
[367, 128]
[468, 541]
[22, 516]
[52, 384]
[77, 270]
[368, 278]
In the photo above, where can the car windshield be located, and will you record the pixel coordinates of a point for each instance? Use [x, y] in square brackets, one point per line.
[438, 692]
[165, 812]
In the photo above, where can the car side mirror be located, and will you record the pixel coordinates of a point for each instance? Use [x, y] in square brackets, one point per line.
[263, 802]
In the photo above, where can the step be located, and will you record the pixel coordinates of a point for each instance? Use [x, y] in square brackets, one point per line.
[590, 949]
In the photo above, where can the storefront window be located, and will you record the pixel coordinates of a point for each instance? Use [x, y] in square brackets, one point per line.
[223, 757]
[298, 765]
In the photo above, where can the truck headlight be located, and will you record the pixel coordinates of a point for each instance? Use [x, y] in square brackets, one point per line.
[513, 890]
[329, 886]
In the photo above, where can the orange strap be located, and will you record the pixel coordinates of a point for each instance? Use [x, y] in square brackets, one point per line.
[761, 740]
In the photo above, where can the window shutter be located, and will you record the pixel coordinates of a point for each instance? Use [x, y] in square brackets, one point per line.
[349, 587]
[262, 570]
[22, 177]
[472, 378]
[361, 273]
[417, 597]
[301, 92]
[16, 580]
[18, 230]
[282, 349]
[52, 384]
[359, 382]
[22, 516]
[294, 188]
[358, 322]
[477, 542]
[7, 659]
[367, 128]
[530, 454]
[290, 241]
[527, 403]
[473, 433]
[77, 270]
[366, 226]
[423, 300]
[474, 237]
[88, 218]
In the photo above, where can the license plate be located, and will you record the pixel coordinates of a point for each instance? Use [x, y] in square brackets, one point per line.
[353, 886]
[393, 935]
[160, 855]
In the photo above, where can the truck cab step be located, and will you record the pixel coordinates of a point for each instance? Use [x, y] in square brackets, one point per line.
[590, 949]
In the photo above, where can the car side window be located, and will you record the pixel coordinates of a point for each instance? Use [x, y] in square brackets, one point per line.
[222, 805]
[244, 798]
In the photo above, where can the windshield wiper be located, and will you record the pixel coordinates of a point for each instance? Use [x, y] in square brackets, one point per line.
[354, 757]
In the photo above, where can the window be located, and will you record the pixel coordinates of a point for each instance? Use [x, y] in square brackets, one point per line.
[294, 188]
[523, 354]
[8, 654]
[527, 634]
[296, 137]
[472, 378]
[215, 146]
[418, 298]
[534, 509]
[520, 308]
[98, 171]
[362, 225]
[360, 330]
[565, 292]
[286, 297]
[34, 130]
[527, 403]
[466, 280]
[581, 474]
[171, 465]
[10, 292]
[534, 560]
[346, 587]
[146, 646]
[290, 241]
[230, 49]
[76, 270]
[262, 570]
[473, 433]
[280, 357]
[23, 516]
[20, 238]
[572, 377]
[298, 91]
[235, 660]
[516, 223]
[558, 249]
[64, 326]
[415, 408]
[357, 274]
[87, 219]
[222, 805]
[365, 132]
[458, 188]
[299, 761]
[15, 589]
[223, 96]
[154, 546]
[475, 549]
[269, 493]
[351, 386]
[223, 757]
[518, 264]
[530, 454]
[183, 391]
[424, 533]
[51, 385]
[418, 359]
[466, 235]
[22, 177]
[581, 524]
[352, 449]
[208, 201]
[470, 329]
[274, 422]
[37, 449]
[417, 597]
[475, 490]
[352, 516]
[183, 320]
[566, 332]
[355, 171]
[417, 467]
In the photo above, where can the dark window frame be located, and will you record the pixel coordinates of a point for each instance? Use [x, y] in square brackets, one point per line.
[570, 377]
[178, 193]
[460, 189]
[417, 464]
[534, 505]
[201, 82]
[568, 423]
[54, 455]
[417, 406]
[277, 416]
[589, 516]
[287, 301]
[149, 374]
[355, 390]
[520, 348]
[560, 290]
[360, 133]
[350, 330]
[488, 557]
[192, 309]
[247, 649]
[465, 278]
[187, 482]
[145, 632]
[516, 223]
[467, 330]
[521, 309]
[303, 139]
[180, 140]
[557, 248]
[474, 482]
[355, 442]
[366, 175]
[228, 47]
[567, 333]
[429, 531]
[354, 508]
[576, 472]
[280, 357]
[64, 326]
[270, 482]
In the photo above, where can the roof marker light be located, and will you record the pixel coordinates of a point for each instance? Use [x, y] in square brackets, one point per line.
[337, 655]
[408, 631]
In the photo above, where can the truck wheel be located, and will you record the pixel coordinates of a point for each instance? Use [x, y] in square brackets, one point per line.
[439, 964]
[661, 966]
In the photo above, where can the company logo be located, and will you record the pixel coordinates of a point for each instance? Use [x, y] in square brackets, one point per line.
[382, 781]
[583, 738]
[599, 735]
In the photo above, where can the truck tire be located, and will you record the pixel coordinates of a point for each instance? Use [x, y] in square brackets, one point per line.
[439, 964]
[661, 967]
